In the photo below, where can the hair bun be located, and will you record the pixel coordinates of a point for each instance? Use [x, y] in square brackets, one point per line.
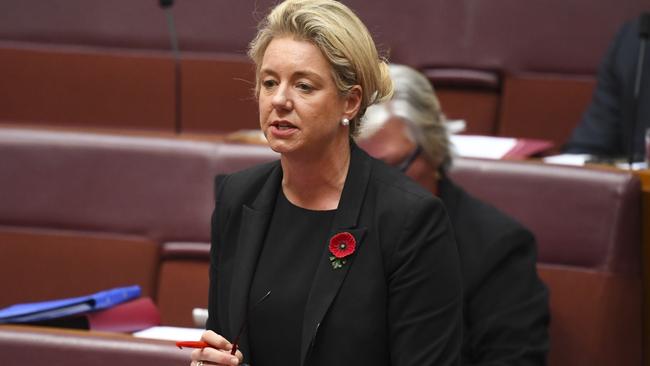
[384, 88]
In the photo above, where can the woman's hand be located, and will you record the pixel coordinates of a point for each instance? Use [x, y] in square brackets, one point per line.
[218, 353]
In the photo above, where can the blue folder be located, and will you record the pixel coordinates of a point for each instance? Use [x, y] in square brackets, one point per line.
[45, 310]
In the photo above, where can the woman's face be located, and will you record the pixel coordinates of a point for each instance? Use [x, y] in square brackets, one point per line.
[299, 104]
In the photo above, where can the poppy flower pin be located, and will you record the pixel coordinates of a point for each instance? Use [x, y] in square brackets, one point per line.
[342, 245]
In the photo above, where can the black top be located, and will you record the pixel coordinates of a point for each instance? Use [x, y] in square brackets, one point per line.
[294, 243]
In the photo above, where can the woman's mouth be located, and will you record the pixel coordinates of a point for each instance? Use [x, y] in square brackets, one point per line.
[282, 125]
[282, 129]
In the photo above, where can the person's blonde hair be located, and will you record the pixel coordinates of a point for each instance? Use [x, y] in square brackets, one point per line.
[341, 37]
[414, 101]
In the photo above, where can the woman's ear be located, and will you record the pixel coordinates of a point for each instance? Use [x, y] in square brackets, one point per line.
[352, 102]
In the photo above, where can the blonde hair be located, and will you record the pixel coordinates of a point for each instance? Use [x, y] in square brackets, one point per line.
[414, 102]
[341, 37]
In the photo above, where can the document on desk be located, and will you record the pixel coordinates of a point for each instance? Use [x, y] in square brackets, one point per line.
[568, 159]
[486, 147]
[170, 333]
[490, 147]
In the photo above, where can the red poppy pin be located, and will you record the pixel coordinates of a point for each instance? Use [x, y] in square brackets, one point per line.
[341, 246]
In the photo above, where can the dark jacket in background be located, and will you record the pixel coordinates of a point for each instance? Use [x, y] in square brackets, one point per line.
[608, 122]
[506, 312]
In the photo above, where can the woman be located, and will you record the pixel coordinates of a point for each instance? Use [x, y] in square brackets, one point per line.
[506, 305]
[327, 257]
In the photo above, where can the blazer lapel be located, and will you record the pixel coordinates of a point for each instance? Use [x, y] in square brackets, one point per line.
[254, 224]
[328, 280]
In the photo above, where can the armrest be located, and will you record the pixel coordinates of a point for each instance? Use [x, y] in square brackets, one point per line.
[32, 345]
[186, 250]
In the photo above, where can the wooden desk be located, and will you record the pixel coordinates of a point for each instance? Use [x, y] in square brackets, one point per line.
[644, 175]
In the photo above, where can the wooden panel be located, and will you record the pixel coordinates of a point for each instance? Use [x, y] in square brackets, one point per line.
[218, 94]
[82, 88]
[543, 106]
[40, 264]
[182, 285]
[477, 107]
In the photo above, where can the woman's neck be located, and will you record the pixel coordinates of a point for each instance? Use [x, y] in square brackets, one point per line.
[316, 182]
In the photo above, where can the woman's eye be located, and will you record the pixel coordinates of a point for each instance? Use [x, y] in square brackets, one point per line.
[304, 87]
[269, 83]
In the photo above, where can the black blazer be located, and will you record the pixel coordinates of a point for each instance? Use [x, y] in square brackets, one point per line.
[506, 312]
[609, 120]
[397, 301]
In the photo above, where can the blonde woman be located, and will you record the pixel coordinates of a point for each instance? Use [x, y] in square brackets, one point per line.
[327, 256]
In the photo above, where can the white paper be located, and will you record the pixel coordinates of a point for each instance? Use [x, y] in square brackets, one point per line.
[485, 147]
[568, 159]
[171, 333]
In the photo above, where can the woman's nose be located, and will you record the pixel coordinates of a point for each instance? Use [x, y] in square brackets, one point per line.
[281, 99]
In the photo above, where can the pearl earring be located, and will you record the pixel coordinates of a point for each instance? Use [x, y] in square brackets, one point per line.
[345, 122]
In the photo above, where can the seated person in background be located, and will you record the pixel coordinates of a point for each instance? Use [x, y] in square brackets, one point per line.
[506, 311]
[611, 117]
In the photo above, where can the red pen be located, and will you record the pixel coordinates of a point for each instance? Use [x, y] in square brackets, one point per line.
[191, 344]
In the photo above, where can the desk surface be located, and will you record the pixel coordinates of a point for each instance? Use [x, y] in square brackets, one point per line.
[644, 175]
[31, 345]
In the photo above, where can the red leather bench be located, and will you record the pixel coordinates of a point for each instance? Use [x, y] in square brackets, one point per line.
[83, 212]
